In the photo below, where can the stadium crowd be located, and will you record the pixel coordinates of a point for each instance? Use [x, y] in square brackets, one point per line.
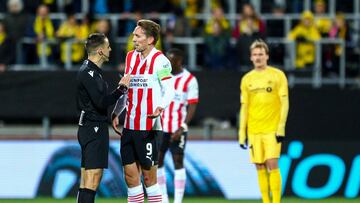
[225, 41]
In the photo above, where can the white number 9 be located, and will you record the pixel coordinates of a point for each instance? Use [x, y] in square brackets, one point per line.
[149, 149]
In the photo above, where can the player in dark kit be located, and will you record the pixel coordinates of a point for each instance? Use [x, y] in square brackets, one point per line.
[93, 101]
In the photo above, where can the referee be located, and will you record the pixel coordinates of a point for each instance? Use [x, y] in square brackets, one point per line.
[93, 100]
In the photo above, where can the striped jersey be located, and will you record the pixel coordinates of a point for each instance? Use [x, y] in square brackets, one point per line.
[186, 92]
[144, 93]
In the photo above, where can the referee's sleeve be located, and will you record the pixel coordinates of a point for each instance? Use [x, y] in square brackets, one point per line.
[94, 85]
[243, 112]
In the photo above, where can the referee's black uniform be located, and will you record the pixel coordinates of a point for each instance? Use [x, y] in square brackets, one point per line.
[93, 101]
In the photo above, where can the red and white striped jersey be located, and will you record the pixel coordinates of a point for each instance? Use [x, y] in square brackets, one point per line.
[186, 92]
[144, 93]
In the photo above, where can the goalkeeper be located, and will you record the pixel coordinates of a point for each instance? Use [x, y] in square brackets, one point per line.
[264, 108]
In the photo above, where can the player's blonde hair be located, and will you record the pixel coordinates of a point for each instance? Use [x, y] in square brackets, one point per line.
[150, 28]
[259, 43]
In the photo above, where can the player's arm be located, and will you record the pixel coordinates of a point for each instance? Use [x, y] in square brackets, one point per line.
[243, 114]
[192, 100]
[162, 67]
[284, 104]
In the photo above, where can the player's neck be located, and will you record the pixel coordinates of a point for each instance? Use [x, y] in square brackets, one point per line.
[146, 52]
[177, 71]
[260, 68]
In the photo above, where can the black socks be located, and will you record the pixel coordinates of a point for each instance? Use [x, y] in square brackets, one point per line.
[86, 196]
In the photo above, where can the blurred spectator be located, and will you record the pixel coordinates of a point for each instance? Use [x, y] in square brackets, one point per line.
[70, 32]
[6, 49]
[322, 23]
[276, 29]
[218, 16]
[339, 30]
[192, 8]
[247, 29]
[305, 34]
[44, 30]
[103, 26]
[99, 7]
[16, 21]
[176, 26]
[216, 47]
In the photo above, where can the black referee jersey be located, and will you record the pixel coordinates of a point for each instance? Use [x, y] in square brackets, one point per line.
[93, 98]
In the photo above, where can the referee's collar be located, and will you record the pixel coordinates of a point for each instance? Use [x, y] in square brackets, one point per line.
[93, 66]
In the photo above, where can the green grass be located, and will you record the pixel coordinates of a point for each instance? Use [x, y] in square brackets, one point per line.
[186, 200]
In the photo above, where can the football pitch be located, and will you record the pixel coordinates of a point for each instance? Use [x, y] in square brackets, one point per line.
[186, 200]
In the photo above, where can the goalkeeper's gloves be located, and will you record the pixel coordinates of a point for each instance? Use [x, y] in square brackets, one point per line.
[279, 138]
[245, 145]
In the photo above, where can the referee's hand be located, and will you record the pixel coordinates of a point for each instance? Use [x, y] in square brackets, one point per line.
[125, 81]
[115, 123]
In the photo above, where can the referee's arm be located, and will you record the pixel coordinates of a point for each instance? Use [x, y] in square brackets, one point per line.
[98, 95]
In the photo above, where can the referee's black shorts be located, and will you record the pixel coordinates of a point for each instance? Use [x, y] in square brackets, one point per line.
[93, 138]
[141, 146]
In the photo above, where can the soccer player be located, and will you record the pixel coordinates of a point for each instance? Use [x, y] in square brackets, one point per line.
[93, 101]
[175, 120]
[264, 108]
[151, 91]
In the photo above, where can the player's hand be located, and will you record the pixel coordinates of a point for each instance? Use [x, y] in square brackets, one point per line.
[115, 123]
[177, 134]
[156, 113]
[279, 138]
[245, 145]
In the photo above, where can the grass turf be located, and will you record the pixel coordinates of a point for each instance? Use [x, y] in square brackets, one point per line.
[186, 200]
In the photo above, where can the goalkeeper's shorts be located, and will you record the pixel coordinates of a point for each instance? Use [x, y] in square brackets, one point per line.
[263, 146]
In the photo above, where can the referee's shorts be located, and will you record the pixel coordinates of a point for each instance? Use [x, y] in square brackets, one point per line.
[93, 137]
[263, 146]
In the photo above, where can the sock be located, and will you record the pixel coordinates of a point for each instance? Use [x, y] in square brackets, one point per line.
[87, 196]
[180, 180]
[275, 185]
[154, 194]
[79, 195]
[136, 194]
[263, 179]
[161, 179]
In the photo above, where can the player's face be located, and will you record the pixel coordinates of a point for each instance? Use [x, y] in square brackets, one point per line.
[259, 57]
[141, 42]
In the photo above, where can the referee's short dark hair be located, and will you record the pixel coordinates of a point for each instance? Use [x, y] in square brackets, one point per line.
[94, 41]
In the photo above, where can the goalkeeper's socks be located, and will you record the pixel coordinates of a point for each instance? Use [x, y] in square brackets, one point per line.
[87, 196]
[180, 180]
[136, 194]
[161, 179]
[275, 185]
[263, 179]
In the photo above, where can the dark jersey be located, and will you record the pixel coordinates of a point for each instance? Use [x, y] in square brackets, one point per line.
[92, 96]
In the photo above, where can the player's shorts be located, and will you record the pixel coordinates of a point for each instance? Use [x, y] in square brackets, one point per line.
[176, 147]
[263, 147]
[141, 146]
[93, 137]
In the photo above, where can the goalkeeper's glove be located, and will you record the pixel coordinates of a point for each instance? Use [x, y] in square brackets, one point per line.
[245, 145]
[279, 138]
